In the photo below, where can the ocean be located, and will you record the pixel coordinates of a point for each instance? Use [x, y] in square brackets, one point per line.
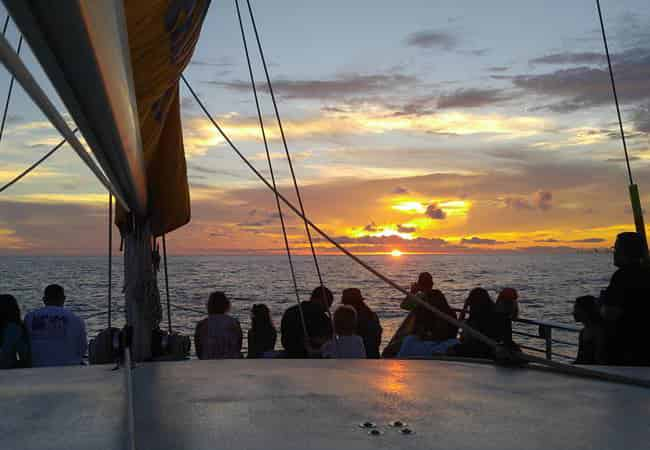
[547, 284]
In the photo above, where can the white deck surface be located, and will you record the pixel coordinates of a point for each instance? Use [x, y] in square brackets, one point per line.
[301, 405]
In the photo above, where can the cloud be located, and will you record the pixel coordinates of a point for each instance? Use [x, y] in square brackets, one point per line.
[641, 118]
[406, 229]
[346, 85]
[471, 98]
[400, 190]
[548, 240]
[541, 200]
[586, 87]
[388, 243]
[475, 240]
[434, 212]
[432, 39]
[589, 241]
[372, 228]
[570, 58]
[498, 69]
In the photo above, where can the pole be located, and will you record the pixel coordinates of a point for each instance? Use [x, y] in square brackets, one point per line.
[110, 259]
[169, 310]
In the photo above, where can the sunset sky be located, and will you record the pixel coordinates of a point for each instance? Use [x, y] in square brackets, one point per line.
[447, 126]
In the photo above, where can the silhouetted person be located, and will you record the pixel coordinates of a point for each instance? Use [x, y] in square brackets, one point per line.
[262, 334]
[219, 336]
[423, 290]
[57, 335]
[591, 344]
[14, 340]
[318, 324]
[481, 310]
[368, 326]
[345, 343]
[431, 334]
[506, 310]
[626, 304]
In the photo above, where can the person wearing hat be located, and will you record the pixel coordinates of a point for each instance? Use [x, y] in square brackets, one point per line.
[625, 304]
[368, 326]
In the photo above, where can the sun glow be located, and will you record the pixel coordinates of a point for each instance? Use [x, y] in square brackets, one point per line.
[396, 253]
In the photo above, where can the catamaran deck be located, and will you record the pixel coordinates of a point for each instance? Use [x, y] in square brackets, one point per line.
[319, 404]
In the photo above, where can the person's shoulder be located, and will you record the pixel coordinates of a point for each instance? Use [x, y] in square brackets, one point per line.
[12, 329]
[201, 323]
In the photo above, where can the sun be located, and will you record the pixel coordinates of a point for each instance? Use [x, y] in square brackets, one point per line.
[396, 253]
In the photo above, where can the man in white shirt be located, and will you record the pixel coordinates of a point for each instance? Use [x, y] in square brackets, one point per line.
[57, 335]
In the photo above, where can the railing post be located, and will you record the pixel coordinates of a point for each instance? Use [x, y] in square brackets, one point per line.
[546, 333]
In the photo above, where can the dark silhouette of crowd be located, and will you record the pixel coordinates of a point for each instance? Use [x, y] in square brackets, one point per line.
[612, 334]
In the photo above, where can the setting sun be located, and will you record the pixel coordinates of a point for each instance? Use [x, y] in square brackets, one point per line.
[396, 253]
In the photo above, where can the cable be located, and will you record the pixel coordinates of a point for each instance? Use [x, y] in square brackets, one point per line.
[284, 143]
[268, 158]
[169, 311]
[110, 259]
[35, 165]
[611, 77]
[11, 87]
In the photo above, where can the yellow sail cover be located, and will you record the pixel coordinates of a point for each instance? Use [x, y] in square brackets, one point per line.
[162, 37]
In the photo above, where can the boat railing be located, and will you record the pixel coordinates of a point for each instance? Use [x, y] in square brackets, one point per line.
[544, 332]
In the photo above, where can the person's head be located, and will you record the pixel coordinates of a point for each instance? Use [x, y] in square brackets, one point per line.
[261, 316]
[345, 320]
[218, 303]
[628, 249]
[9, 310]
[425, 281]
[352, 297]
[54, 295]
[479, 303]
[507, 303]
[585, 309]
[322, 296]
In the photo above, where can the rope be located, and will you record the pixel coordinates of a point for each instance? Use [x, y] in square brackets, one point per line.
[169, 311]
[268, 158]
[611, 77]
[559, 367]
[284, 143]
[11, 88]
[128, 379]
[110, 259]
[35, 165]
[4, 27]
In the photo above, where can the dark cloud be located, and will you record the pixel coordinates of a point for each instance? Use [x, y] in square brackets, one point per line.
[541, 200]
[570, 58]
[471, 98]
[549, 240]
[549, 249]
[436, 213]
[388, 243]
[432, 39]
[475, 240]
[406, 229]
[586, 87]
[400, 190]
[371, 228]
[498, 69]
[348, 85]
[589, 241]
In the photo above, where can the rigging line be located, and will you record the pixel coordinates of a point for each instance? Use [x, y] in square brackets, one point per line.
[11, 88]
[4, 27]
[268, 158]
[110, 259]
[169, 310]
[35, 165]
[284, 143]
[611, 77]
[560, 367]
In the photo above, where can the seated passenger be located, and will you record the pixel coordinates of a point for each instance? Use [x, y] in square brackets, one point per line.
[219, 336]
[591, 344]
[57, 335]
[368, 326]
[506, 309]
[344, 344]
[317, 322]
[625, 306]
[481, 318]
[431, 334]
[14, 340]
[262, 334]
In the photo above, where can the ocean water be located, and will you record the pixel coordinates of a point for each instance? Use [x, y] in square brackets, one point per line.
[547, 284]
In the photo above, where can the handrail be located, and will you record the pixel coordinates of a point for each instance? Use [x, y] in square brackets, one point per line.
[549, 324]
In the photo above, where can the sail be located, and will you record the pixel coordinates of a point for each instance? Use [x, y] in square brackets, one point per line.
[162, 36]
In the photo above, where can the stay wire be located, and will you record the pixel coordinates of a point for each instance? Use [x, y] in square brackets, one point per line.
[268, 158]
[35, 165]
[169, 310]
[560, 367]
[613, 82]
[286, 147]
[110, 260]
[11, 88]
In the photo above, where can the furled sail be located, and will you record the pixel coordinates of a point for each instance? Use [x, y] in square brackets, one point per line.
[162, 36]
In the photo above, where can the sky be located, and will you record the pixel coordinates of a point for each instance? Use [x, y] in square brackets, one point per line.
[433, 127]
